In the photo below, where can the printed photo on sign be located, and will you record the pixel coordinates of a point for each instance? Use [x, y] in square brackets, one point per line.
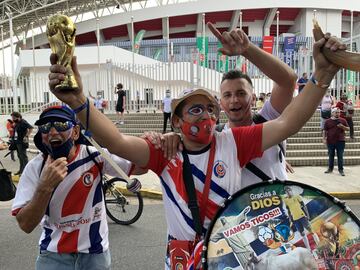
[283, 226]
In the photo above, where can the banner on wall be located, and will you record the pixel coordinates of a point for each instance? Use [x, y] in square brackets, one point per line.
[138, 38]
[289, 48]
[268, 44]
[223, 61]
[202, 44]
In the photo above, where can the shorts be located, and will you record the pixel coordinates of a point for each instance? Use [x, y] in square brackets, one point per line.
[119, 108]
[68, 261]
[302, 224]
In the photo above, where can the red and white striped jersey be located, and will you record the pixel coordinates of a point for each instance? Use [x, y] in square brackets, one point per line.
[75, 219]
[234, 148]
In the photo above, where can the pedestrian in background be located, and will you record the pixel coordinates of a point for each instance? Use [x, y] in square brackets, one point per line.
[334, 138]
[346, 112]
[120, 104]
[166, 108]
[22, 131]
[325, 111]
[10, 125]
[260, 102]
[302, 81]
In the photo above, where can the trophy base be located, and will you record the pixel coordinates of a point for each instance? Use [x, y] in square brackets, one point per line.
[66, 88]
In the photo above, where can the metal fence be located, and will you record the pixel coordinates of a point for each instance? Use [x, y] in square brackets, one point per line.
[145, 85]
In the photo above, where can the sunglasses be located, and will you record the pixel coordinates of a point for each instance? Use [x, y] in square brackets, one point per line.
[59, 126]
[199, 109]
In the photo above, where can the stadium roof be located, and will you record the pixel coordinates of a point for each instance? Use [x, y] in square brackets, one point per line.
[23, 12]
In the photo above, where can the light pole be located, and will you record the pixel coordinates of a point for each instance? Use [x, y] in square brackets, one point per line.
[4, 77]
[34, 69]
[13, 79]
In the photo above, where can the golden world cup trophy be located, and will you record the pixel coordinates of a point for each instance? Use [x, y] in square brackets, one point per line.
[60, 31]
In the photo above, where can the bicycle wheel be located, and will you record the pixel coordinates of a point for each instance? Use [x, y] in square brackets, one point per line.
[122, 209]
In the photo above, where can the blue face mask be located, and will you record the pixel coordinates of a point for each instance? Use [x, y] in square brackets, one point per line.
[62, 150]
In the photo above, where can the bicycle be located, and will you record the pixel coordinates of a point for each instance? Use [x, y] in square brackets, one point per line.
[122, 206]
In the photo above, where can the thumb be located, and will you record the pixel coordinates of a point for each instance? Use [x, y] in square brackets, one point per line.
[318, 45]
[53, 58]
[49, 160]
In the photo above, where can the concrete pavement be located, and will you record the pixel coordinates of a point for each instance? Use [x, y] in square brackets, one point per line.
[343, 187]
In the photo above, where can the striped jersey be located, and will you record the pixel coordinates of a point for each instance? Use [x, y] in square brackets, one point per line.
[234, 148]
[75, 219]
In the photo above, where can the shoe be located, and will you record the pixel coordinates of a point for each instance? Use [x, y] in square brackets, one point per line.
[122, 122]
[328, 171]
[17, 173]
[342, 173]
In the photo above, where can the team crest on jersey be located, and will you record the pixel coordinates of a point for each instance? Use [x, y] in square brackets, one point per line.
[220, 168]
[88, 179]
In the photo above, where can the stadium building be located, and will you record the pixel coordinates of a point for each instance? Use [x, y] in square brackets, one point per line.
[151, 46]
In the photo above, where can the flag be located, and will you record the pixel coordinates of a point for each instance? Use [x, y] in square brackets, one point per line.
[223, 61]
[202, 46]
[157, 54]
[138, 39]
[268, 44]
[350, 83]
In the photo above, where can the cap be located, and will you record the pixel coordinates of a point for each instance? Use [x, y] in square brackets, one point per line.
[56, 113]
[187, 93]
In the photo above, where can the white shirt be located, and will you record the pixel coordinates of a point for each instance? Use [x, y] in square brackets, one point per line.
[269, 163]
[167, 104]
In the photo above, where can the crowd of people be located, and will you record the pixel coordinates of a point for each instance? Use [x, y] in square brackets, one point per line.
[60, 188]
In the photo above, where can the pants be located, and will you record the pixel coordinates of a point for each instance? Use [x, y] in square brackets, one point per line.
[339, 147]
[74, 261]
[166, 117]
[351, 126]
[22, 155]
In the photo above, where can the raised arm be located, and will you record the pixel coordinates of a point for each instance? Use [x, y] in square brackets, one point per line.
[236, 42]
[303, 106]
[103, 130]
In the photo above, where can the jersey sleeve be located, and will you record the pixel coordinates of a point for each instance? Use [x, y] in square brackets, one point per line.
[248, 142]
[268, 111]
[28, 183]
[157, 161]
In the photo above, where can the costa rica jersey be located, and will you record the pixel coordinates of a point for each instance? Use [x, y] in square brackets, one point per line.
[234, 148]
[75, 218]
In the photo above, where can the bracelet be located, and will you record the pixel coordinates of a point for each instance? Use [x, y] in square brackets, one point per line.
[82, 106]
[319, 84]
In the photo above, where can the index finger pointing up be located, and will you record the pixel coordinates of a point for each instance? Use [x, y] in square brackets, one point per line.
[213, 29]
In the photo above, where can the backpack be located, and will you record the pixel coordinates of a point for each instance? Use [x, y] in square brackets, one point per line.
[257, 119]
[7, 187]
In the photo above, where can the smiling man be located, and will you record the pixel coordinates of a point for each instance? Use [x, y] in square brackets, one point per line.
[61, 189]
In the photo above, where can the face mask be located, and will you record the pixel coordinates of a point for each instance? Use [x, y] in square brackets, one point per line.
[62, 150]
[200, 132]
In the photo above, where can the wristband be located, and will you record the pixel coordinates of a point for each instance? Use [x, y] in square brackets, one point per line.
[319, 84]
[81, 107]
